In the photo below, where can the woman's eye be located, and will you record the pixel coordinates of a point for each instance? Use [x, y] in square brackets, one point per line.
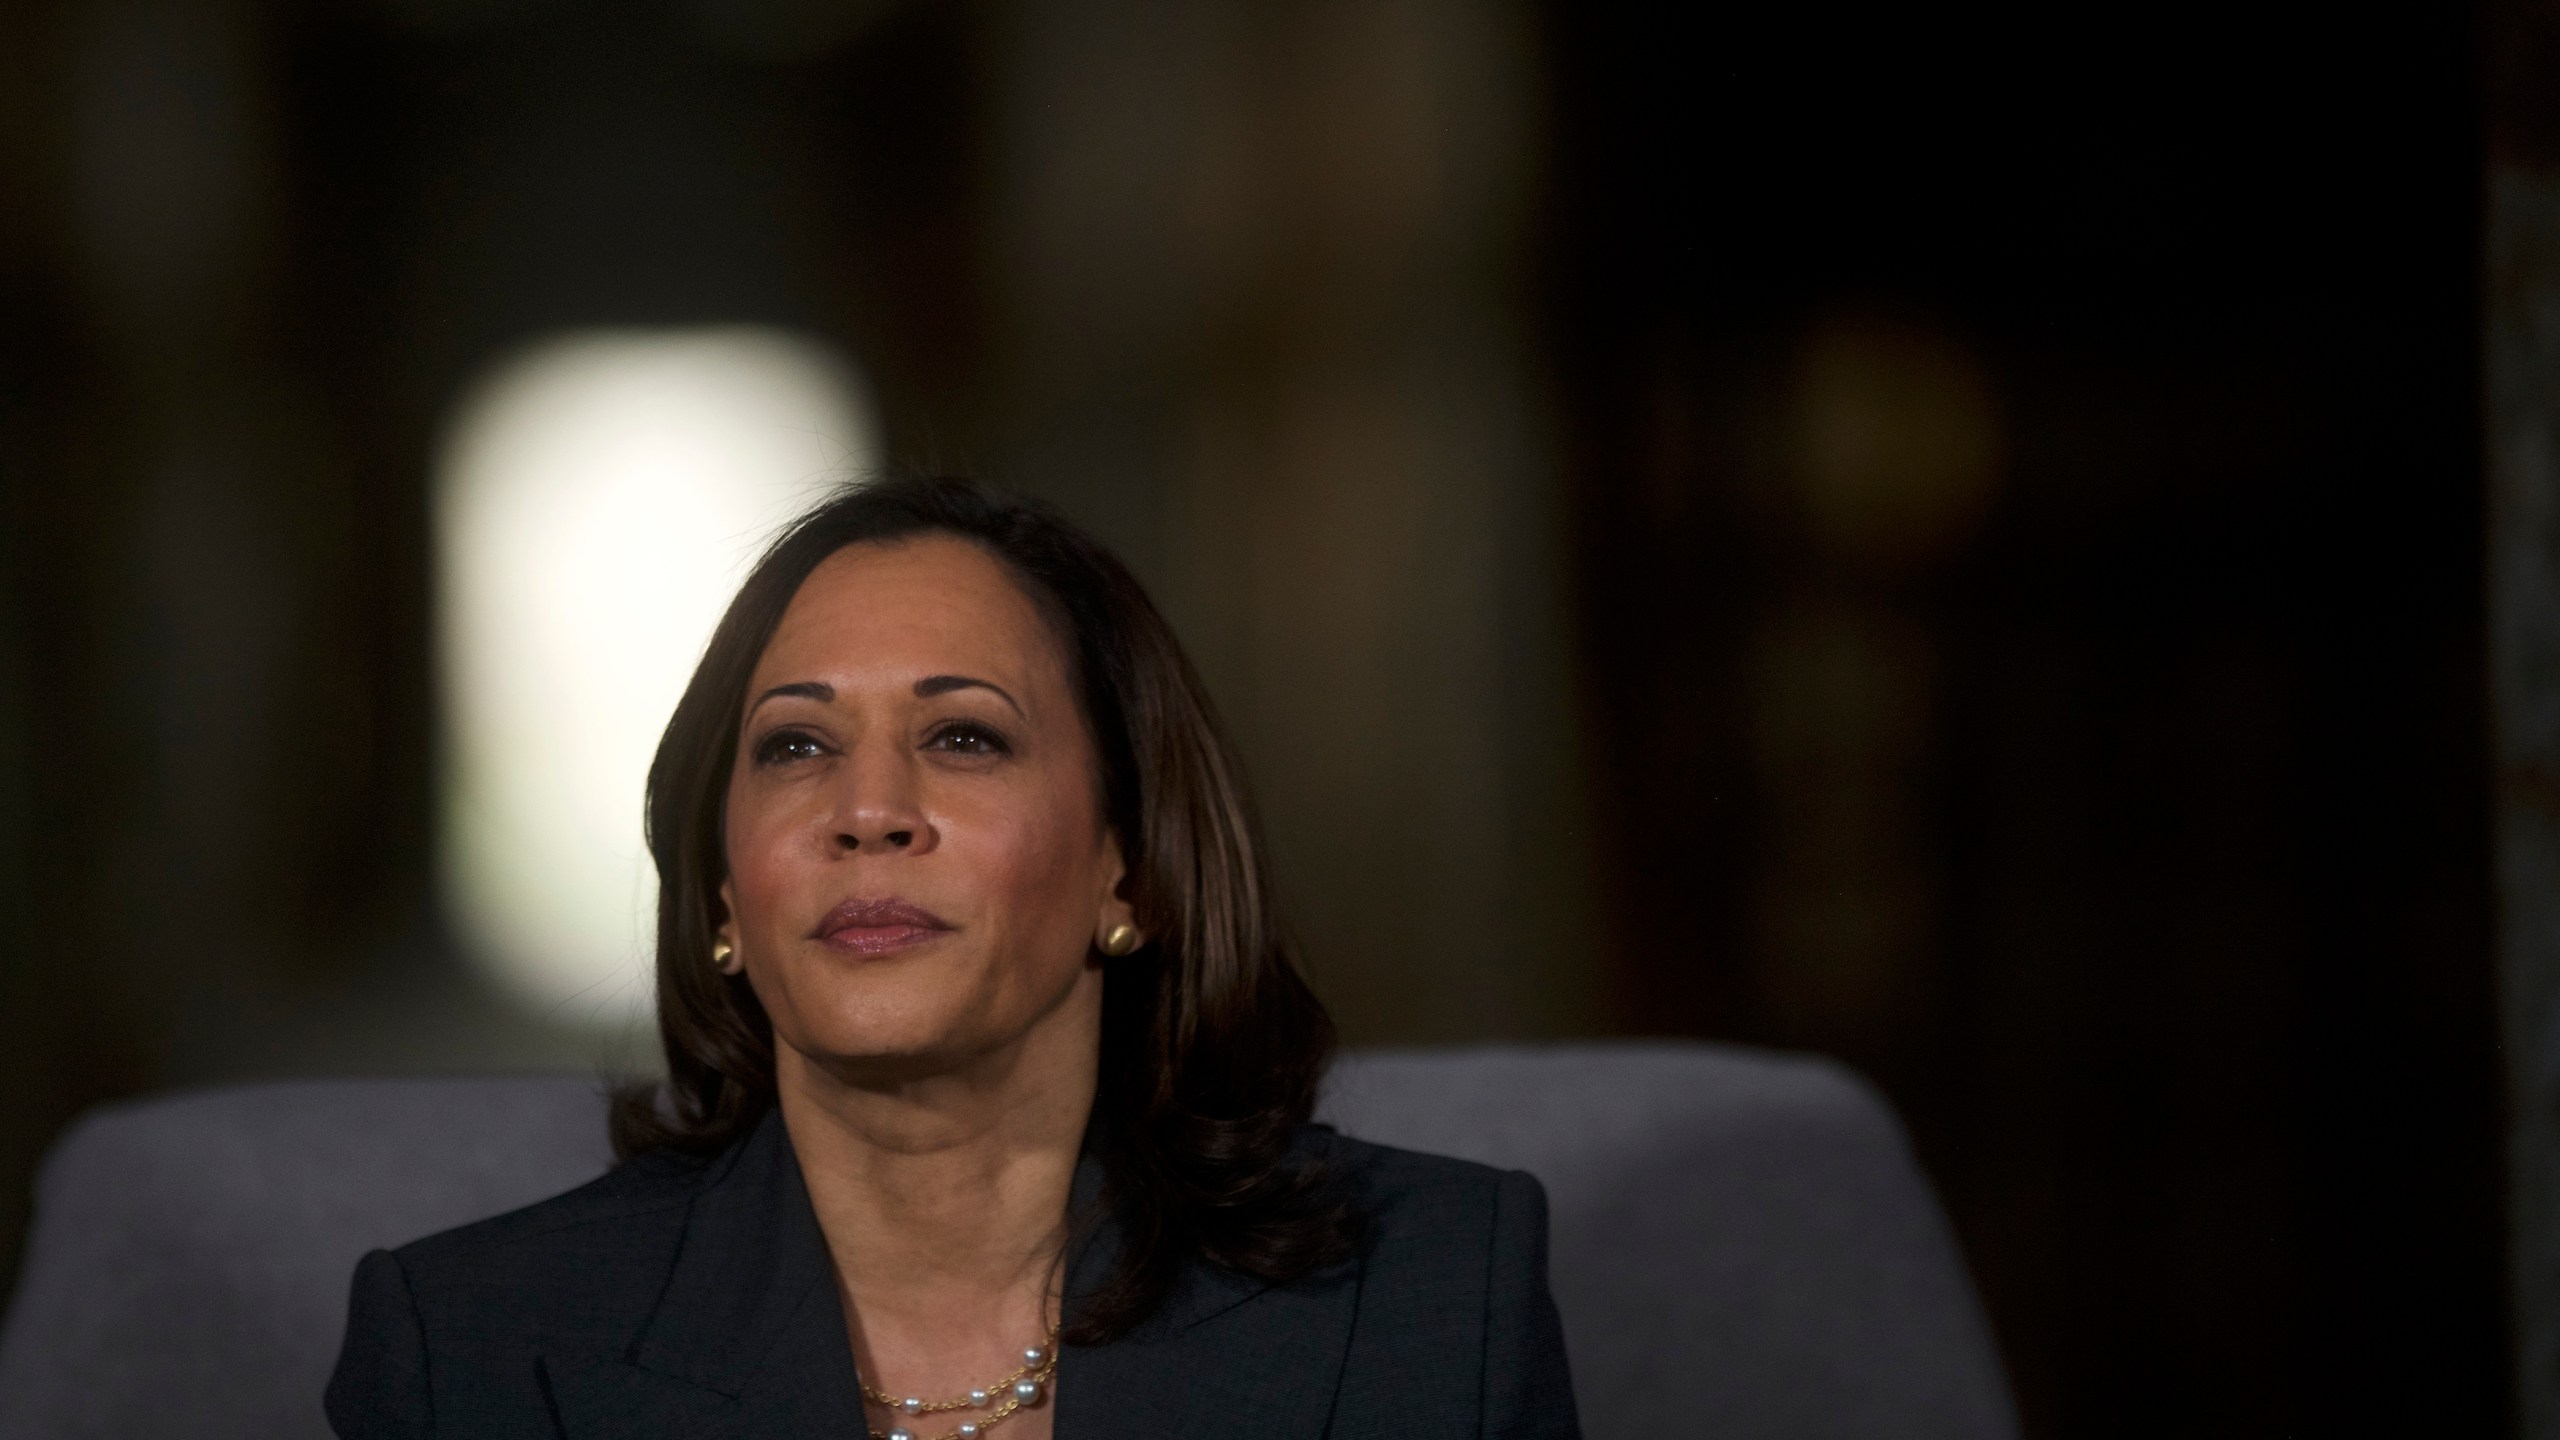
[968, 738]
[783, 746]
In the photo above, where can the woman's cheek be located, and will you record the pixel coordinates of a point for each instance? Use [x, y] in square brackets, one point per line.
[759, 858]
[1046, 865]
[1002, 847]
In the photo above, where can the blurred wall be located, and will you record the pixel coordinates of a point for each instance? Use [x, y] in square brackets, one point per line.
[1950, 538]
[2026, 476]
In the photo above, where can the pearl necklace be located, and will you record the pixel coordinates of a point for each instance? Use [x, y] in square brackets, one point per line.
[1022, 1387]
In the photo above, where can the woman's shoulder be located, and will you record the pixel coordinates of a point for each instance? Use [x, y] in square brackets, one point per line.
[574, 1275]
[563, 1242]
[1408, 1198]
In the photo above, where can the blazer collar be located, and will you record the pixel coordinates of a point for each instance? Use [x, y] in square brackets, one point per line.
[748, 1338]
[1225, 1354]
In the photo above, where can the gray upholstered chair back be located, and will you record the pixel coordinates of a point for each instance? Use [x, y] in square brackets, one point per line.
[1742, 1245]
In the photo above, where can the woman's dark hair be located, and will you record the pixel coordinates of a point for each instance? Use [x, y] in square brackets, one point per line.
[1212, 1043]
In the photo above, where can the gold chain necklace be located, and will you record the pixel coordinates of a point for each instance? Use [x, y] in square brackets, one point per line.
[1022, 1387]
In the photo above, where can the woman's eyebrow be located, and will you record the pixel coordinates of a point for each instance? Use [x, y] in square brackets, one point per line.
[933, 685]
[817, 690]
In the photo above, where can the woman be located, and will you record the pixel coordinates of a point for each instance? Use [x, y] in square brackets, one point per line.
[989, 1072]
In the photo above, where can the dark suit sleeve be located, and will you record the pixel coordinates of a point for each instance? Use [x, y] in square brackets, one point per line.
[1528, 1391]
[380, 1389]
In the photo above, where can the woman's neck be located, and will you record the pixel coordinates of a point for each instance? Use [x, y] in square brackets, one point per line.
[943, 1192]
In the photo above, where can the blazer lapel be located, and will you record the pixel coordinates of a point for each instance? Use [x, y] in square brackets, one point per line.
[747, 1339]
[1226, 1356]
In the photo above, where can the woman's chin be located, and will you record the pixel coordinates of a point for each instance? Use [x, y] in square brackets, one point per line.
[891, 1042]
[875, 1046]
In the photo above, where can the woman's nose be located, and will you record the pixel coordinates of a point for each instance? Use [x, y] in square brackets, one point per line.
[878, 810]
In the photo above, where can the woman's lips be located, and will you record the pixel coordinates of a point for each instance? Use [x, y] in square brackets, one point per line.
[870, 927]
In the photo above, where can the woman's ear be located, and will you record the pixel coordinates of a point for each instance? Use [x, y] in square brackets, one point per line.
[1115, 929]
[725, 957]
[727, 929]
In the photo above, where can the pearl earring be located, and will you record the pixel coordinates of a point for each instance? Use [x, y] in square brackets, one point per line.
[1121, 939]
[724, 956]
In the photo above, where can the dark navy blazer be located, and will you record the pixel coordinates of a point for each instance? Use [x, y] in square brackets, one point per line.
[688, 1299]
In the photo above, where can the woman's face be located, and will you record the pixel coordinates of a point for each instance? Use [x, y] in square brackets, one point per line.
[919, 866]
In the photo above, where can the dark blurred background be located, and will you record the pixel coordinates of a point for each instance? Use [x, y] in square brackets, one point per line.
[1949, 536]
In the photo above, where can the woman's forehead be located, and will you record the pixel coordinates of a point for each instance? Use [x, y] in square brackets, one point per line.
[932, 604]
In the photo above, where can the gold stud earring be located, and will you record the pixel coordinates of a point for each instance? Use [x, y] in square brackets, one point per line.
[723, 954]
[1121, 939]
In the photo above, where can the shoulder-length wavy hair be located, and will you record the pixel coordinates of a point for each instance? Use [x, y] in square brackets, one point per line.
[1212, 1042]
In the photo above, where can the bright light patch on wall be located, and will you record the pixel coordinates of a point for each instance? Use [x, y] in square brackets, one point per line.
[599, 498]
